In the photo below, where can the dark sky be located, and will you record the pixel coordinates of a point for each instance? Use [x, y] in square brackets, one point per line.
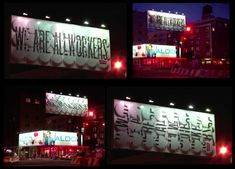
[95, 94]
[192, 11]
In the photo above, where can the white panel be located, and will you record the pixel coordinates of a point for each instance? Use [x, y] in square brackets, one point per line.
[47, 43]
[60, 138]
[31, 139]
[39, 138]
[165, 21]
[66, 105]
[147, 127]
[152, 50]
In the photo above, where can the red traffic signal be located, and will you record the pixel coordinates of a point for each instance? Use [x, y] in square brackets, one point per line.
[91, 114]
[117, 65]
[188, 28]
[223, 150]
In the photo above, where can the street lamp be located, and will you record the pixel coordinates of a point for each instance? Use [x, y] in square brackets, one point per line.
[25, 14]
[172, 104]
[208, 110]
[151, 101]
[128, 98]
[103, 26]
[67, 20]
[47, 17]
[190, 107]
[86, 22]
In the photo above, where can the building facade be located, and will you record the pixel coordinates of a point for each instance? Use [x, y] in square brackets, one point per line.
[208, 38]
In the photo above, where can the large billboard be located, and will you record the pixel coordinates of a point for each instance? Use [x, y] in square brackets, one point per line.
[31, 138]
[146, 127]
[47, 137]
[66, 105]
[165, 21]
[153, 50]
[47, 43]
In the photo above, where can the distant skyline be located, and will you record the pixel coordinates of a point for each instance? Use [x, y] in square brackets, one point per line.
[192, 11]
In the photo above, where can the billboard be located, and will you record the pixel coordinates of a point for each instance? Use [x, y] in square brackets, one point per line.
[47, 137]
[165, 21]
[47, 43]
[66, 105]
[153, 50]
[31, 139]
[146, 127]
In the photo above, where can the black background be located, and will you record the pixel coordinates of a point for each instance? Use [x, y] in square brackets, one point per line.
[217, 94]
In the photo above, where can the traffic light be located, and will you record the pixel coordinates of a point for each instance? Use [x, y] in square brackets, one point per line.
[188, 29]
[91, 114]
[223, 150]
[118, 65]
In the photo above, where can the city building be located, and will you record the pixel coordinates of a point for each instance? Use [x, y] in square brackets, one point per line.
[161, 36]
[208, 38]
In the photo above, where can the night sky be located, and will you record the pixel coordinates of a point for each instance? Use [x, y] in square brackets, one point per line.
[192, 11]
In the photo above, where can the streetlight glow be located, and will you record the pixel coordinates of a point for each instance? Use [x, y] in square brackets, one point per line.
[172, 104]
[208, 110]
[190, 107]
[128, 98]
[47, 17]
[151, 101]
[103, 26]
[25, 14]
[86, 22]
[67, 20]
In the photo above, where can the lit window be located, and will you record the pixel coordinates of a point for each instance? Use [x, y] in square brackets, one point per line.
[213, 29]
[28, 100]
[36, 101]
[225, 25]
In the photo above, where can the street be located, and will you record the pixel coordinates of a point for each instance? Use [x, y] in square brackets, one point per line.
[42, 162]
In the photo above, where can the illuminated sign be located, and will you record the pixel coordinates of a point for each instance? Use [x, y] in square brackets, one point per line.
[46, 137]
[60, 138]
[165, 21]
[31, 139]
[66, 105]
[152, 50]
[147, 127]
[47, 43]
